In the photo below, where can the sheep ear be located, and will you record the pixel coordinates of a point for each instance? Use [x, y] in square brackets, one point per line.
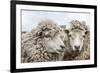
[66, 31]
[39, 34]
[86, 32]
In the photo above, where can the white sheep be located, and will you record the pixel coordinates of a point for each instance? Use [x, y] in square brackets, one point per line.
[78, 42]
[43, 43]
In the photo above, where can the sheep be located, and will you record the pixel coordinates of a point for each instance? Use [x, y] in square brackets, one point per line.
[44, 43]
[78, 41]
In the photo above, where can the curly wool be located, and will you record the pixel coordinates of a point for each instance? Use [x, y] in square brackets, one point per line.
[85, 53]
[33, 48]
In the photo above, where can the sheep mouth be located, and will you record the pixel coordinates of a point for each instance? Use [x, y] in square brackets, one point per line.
[57, 52]
[60, 51]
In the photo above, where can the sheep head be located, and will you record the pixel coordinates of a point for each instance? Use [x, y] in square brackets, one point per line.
[76, 35]
[51, 36]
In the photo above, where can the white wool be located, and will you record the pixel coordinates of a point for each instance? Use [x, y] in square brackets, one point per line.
[85, 53]
[33, 44]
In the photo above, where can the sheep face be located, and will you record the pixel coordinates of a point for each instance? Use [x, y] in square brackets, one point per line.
[54, 45]
[53, 41]
[76, 38]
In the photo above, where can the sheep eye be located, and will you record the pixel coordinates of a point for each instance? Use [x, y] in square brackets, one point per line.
[70, 35]
[83, 36]
[47, 36]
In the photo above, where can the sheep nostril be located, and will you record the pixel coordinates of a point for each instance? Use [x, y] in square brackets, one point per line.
[77, 47]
